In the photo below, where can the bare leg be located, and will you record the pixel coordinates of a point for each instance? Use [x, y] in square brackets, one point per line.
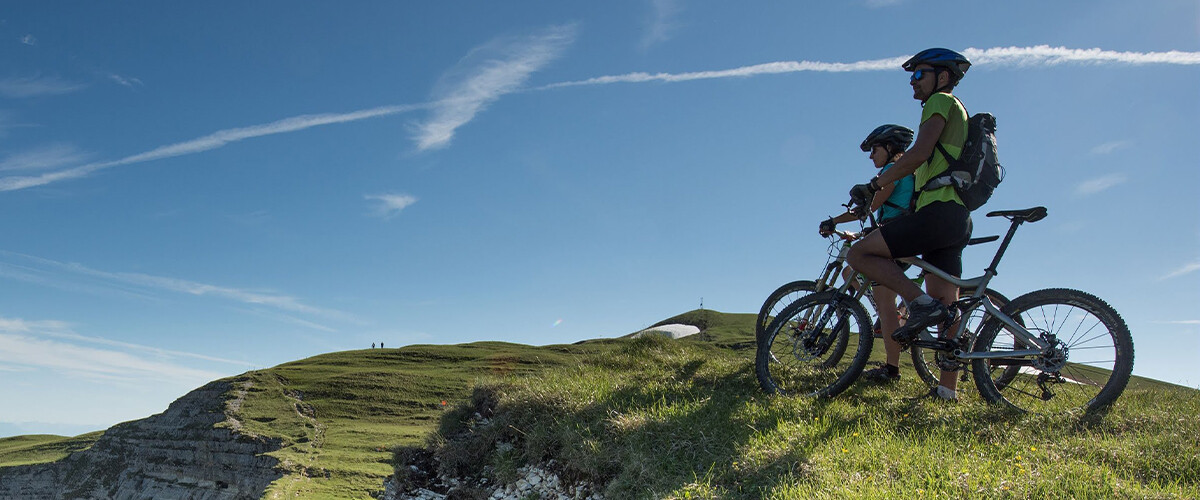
[885, 303]
[871, 257]
[947, 293]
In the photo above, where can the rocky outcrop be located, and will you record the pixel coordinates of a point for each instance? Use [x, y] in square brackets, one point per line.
[179, 454]
[532, 482]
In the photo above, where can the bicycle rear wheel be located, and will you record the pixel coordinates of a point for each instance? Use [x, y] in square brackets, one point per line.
[817, 346]
[925, 360]
[1087, 367]
[778, 300]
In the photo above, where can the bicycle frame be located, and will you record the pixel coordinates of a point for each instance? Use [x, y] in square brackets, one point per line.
[979, 298]
[965, 305]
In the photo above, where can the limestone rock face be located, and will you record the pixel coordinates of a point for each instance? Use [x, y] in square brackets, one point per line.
[177, 454]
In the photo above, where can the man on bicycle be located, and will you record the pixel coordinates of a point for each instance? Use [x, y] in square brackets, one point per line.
[939, 228]
[886, 144]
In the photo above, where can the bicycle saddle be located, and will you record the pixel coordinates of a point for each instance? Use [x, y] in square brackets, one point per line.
[984, 239]
[1028, 215]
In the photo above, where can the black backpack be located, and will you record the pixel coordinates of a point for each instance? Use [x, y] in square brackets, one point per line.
[977, 171]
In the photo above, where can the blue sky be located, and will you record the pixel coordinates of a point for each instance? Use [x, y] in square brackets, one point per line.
[195, 191]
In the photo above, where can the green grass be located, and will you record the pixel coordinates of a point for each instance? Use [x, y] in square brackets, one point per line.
[41, 448]
[340, 415]
[653, 418]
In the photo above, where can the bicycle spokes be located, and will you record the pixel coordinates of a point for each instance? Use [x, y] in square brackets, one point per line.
[813, 346]
[1086, 363]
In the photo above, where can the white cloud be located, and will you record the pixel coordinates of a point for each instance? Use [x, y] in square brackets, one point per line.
[1045, 55]
[38, 269]
[126, 81]
[502, 66]
[742, 72]
[661, 24]
[62, 330]
[44, 157]
[1042, 55]
[1093, 186]
[37, 86]
[29, 40]
[25, 344]
[1186, 269]
[209, 142]
[390, 204]
[483, 76]
[1109, 147]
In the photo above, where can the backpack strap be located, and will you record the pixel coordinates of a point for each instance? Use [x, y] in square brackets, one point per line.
[903, 210]
[946, 154]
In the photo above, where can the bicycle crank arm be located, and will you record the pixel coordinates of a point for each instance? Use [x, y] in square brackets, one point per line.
[960, 354]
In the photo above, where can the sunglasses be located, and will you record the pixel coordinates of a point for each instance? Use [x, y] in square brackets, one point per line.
[920, 73]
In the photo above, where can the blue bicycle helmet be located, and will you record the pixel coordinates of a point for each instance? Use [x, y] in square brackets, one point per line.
[889, 135]
[940, 58]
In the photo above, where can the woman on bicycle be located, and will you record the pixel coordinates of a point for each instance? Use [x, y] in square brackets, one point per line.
[886, 144]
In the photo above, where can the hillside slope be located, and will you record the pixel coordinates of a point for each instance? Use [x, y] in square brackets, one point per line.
[646, 418]
[654, 418]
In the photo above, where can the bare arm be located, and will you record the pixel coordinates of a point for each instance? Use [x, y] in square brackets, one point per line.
[883, 194]
[922, 148]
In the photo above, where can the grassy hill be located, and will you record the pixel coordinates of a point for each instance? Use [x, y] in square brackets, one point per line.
[654, 418]
[41, 448]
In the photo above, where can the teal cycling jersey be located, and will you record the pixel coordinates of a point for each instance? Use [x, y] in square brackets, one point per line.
[898, 203]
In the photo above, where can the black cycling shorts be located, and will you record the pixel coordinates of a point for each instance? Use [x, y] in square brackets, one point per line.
[938, 232]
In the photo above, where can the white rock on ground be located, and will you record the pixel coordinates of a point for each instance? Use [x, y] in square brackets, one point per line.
[674, 331]
[534, 482]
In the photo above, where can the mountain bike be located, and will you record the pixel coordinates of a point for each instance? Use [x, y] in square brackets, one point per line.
[924, 363]
[1047, 351]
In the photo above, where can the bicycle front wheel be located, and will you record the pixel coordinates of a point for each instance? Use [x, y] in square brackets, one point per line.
[1088, 363]
[779, 299]
[817, 346]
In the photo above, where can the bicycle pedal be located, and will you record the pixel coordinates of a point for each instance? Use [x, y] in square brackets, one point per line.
[951, 317]
[906, 337]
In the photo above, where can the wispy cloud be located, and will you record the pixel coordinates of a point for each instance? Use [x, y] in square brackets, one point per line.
[773, 68]
[126, 81]
[209, 142]
[43, 157]
[6, 122]
[389, 205]
[483, 76]
[18, 87]
[1109, 147]
[40, 268]
[1045, 55]
[1185, 269]
[1093, 186]
[503, 66]
[1042, 55]
[63, 330]
[40, 344]
[29, 40]
[661, 24]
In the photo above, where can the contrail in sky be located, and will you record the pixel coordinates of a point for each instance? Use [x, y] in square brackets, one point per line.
[478, 81]
[209, 142]
[1042, 55]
